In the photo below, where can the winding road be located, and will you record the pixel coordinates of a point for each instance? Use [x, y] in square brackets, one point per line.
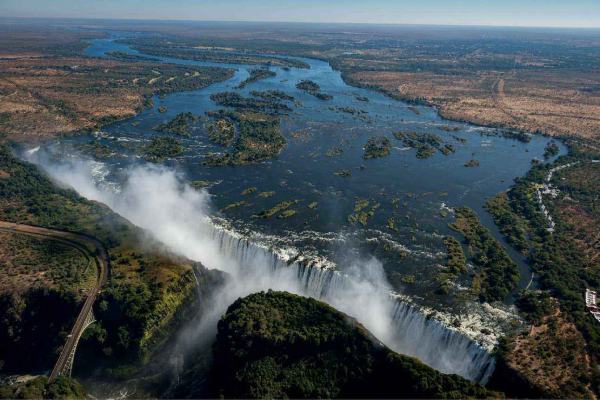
[93, 249]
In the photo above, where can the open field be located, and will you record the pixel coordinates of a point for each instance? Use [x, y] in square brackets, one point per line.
[48, 96]
[28, 262]
[551, 102]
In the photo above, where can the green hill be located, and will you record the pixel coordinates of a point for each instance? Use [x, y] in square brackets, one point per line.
[278, 345]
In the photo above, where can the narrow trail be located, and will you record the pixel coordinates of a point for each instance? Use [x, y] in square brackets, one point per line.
[93, 249]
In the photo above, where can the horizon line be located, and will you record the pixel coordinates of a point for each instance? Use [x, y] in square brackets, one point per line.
[307, 22]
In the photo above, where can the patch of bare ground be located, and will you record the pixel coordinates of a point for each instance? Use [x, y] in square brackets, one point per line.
[552, 102]
[552, 355]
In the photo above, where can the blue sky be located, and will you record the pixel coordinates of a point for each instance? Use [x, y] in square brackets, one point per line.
[563, 13]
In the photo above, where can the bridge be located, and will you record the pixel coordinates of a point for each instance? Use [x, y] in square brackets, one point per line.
[93, 249]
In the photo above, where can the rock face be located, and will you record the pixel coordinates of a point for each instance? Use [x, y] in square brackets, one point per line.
[276, 345]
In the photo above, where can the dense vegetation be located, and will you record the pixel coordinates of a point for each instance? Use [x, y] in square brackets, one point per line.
[497, 275]
[565, 260]
[456, 264]
[221, 131]
[259, 139]
[377, 146]
[235, 100]
[179, 125]
[279, 345]
[39, 388]
[313, 89]
[34, 324]
[257, 75]
[145, 292]
[427, 144]
[161, 148]
[272, 95]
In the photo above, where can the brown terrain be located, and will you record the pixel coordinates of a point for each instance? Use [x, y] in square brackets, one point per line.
[578, 207]
[544, 82]
[47, 87]
[525, 100]
[28, 262]
[549, 355]
[48, 96]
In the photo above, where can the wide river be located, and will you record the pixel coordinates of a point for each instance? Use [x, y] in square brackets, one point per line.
[417, 194]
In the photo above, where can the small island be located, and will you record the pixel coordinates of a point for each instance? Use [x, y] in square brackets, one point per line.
[162, 148]
[313, 89]
[178, 125]
[377, 146]
[257, 75]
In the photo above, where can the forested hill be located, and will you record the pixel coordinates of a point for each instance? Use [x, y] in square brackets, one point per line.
[278, 345]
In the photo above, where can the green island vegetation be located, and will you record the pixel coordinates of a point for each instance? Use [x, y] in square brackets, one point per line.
[348, 110]
[362, 211]
[143, 303]
[162, 148]
[448, 128]
[313, 205]
[360, 114]
[279, 345]
[344, 173]
[235, 100]
[237, 204]
[391, 224]
[272, 95]
[497, 275]
[377, 146]
[287, 214]
[259, 139]
[277, 208]
[221, 131]
[514, 227]
[200, 184]
[334, 152]
[179, 125]
[427, 144]
[313, 89]
[415, 110]
[39, 388]
[266, 195]
[551, 149]
[459, 139]
[96, 149]
[162, 109]
[250, 190]
[257, 74]
[516, 135]
[456, 264]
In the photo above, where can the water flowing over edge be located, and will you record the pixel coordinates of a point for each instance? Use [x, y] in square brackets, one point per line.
[412, 332]
[157, 200]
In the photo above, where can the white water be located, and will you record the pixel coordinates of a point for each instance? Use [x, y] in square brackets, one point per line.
[177, 215]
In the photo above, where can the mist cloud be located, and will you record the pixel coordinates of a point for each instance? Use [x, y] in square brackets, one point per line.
[157, 199]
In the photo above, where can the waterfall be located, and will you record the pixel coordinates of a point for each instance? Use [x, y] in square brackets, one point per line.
[154, 199]
[405, 329]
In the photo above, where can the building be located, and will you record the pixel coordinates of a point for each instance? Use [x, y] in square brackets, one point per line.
[590, 302]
